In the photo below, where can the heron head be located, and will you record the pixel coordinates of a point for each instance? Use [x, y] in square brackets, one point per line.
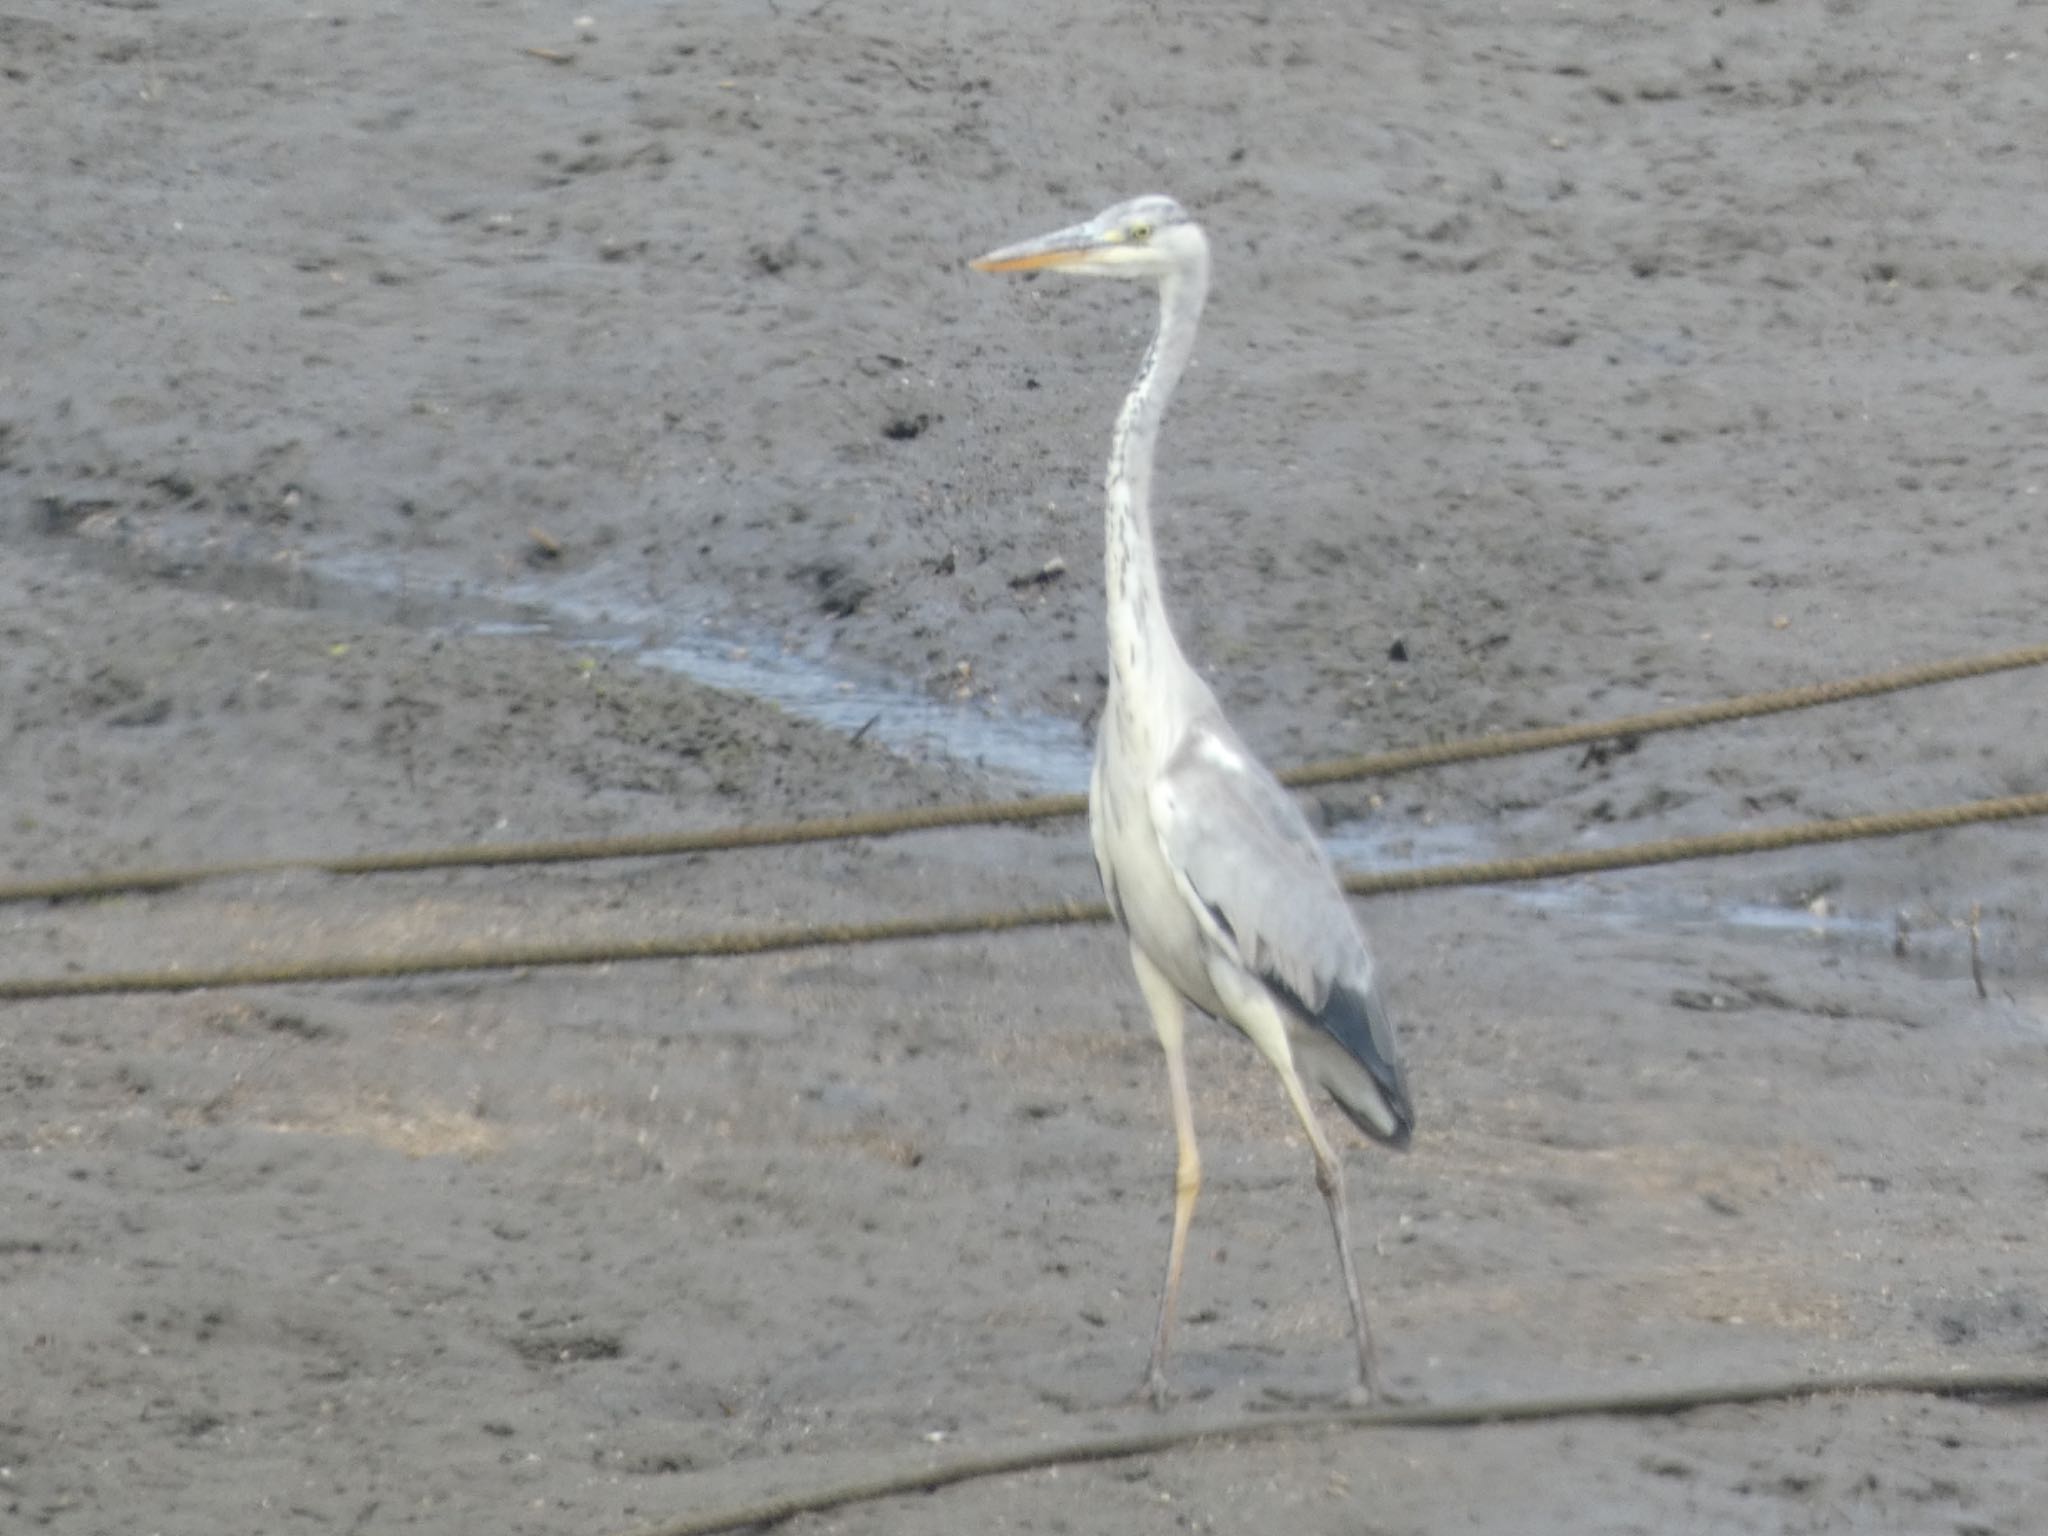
[1148, 236]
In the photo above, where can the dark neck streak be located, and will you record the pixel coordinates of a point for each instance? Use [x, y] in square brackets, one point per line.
[1141, 643]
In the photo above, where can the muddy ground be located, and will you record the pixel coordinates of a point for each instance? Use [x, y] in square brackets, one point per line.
[1586, 357]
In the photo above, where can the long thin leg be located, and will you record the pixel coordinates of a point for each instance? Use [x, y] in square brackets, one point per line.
[1330, 1180]
[1169, 1016]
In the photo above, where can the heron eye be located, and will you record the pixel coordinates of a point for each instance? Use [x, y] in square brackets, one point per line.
[1140, 233]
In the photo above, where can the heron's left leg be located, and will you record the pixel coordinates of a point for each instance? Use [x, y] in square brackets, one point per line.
[1252, 1009]
[1330, 1180]
[1169, 1017]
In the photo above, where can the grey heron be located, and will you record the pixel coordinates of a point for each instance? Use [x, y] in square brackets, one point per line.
[1227, 898]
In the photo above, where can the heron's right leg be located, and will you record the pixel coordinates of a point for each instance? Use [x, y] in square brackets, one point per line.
[1169, 1016]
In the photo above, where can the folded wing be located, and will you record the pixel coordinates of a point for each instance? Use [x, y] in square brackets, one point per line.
[1267, 897]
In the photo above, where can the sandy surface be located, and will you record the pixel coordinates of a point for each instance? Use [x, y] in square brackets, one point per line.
[1599, 356]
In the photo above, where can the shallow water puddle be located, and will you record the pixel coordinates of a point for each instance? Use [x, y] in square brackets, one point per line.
[591, 611]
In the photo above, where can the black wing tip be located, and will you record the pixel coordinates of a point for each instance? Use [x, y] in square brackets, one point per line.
[1404, 1126]
[1359, 1022]
[1396, 1107]
[1354, 1020]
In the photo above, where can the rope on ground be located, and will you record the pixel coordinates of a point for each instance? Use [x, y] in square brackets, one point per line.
[969, 1466]
[758, 941]
[1681, 718]
[1039, 808]
[1711, 845]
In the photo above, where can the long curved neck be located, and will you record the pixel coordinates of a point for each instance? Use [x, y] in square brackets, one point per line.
[1140, 639]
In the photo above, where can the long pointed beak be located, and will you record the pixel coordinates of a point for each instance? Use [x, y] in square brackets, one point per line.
[1064, 248]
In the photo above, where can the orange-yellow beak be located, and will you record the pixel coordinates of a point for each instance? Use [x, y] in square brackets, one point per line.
[1030, 261]
[1065, 248]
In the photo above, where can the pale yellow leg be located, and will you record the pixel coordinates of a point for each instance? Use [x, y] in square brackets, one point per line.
[1330, 1180]
[1169, 1016]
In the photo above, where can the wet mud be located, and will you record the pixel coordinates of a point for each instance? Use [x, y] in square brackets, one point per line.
[406, 412]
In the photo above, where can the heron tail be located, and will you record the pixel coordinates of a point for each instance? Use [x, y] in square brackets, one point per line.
[1352, 1052]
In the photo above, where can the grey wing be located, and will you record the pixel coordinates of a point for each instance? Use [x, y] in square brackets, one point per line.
[1265, 892]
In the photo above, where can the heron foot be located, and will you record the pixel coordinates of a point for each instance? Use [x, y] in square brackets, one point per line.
[1154, 1390]
[1377, 1396]
[1357, 1395]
